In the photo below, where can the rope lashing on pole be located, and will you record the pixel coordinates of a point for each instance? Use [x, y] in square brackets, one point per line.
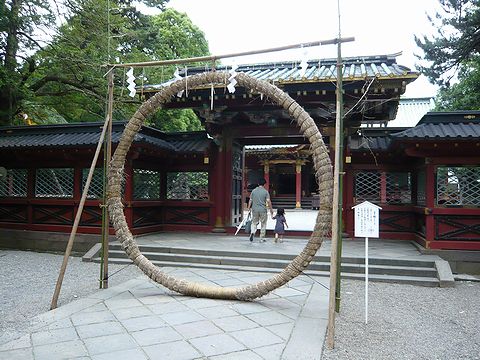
[323, 174]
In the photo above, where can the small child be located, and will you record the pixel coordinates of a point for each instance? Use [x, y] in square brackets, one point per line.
[280, 224]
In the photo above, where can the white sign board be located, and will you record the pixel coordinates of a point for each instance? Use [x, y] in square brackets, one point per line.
[366, 220]
[366, 225]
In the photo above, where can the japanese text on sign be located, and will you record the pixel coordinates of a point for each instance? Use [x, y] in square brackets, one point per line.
[366, 220]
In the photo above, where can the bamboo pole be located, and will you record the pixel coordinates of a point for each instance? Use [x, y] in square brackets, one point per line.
[336, 198]
[108, 140]
[224, 56]
[339, 147]
[68, 250]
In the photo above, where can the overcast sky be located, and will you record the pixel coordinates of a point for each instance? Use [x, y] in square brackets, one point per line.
[379, 26]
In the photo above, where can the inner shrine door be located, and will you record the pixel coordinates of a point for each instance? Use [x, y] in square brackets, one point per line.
[237, 178]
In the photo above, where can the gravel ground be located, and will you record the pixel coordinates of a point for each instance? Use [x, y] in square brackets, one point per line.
[408, 322]
[404, 322]
[27, 284]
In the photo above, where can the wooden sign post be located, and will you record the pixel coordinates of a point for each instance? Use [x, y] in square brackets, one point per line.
[367, 226]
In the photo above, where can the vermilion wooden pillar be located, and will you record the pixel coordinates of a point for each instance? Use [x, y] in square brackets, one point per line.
[266, 174]
[430, 204]
[348, 186]
[32, 178]
[298, 185]
[218, 189]
[383, 187]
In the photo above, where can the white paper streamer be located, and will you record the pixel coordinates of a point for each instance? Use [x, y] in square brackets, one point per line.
[178, 77]
[231, 79]
[131, 82]
[212, 94]
[303, 65]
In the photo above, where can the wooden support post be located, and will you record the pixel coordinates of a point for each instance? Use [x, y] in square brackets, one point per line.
[337, 201]
[430, 186]
[68, 250]
[108, 155]
[219, 178]
[298, 185]
[266, 174]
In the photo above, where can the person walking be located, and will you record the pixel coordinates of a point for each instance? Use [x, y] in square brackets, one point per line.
[259, 203]
[280, 225]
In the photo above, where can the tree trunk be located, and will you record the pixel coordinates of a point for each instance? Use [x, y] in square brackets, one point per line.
[10, 64]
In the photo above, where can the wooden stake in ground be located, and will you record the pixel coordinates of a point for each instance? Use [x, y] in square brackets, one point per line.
[336, 196]
[108, 155]
[68, 250]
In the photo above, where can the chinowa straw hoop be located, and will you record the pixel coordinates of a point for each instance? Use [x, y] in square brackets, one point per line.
[323, 174]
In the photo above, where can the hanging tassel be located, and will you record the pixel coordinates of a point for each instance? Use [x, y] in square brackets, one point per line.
[143, 82]
[212, 93]
[186, 82]
[123, 81]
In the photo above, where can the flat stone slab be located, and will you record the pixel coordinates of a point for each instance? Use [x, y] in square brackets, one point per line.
[445, 275]
[141, 320]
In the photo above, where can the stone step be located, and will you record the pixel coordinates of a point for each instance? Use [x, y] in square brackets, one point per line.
[322, 265]
[399, 279]
[410, 271]
[271, 255]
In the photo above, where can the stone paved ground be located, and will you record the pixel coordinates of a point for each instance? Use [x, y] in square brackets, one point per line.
[142, 320]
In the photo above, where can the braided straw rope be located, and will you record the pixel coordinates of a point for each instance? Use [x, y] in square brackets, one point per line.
[323, 173]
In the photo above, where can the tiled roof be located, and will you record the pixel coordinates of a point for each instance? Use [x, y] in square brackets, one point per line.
[190, 142]
[323, 70]
[374, 143]
[442, 130]
[449, 125]
[88, 134]
[459, 116]
[434, 125]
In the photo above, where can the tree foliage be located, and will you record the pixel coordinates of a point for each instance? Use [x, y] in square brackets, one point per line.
[451, 57]
[65, 77]
[18, 21]
[464, 94]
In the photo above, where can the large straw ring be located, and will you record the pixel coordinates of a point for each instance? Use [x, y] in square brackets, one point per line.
[323, 174]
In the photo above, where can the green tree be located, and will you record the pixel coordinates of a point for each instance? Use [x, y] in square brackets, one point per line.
[18, 21]
[451, 57]
[464, 94]
[175, 120]
[173, 36]
[66, 78]
[70, 72]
